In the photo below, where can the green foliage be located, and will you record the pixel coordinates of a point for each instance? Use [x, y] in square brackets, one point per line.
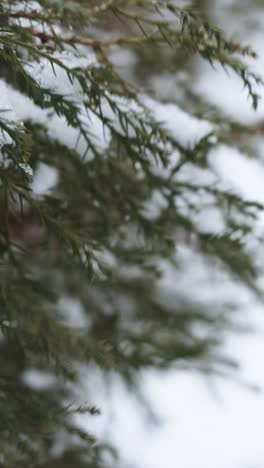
[99, 236]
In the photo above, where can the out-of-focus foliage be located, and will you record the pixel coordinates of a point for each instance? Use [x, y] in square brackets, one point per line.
[127, 197]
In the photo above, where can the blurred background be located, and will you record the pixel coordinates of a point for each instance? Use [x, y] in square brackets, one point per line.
[182, 415]
[190, 421]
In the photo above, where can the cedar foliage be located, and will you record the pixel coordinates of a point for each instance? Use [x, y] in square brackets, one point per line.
[97, 236]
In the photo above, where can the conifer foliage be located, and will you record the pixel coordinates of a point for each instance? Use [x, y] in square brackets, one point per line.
[97, 199]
